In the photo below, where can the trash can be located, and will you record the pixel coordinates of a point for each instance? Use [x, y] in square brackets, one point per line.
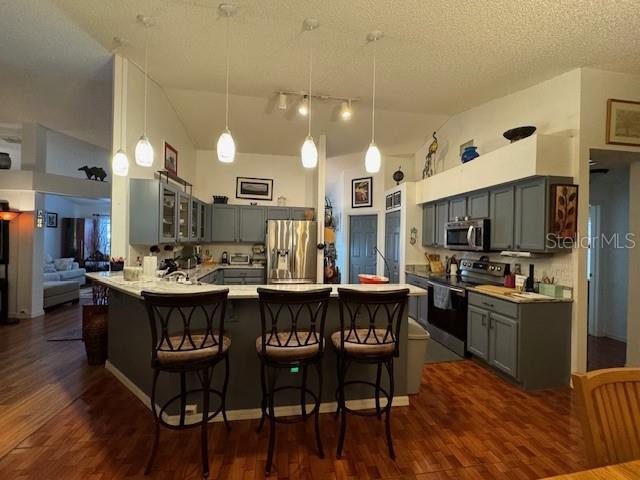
[416, 351]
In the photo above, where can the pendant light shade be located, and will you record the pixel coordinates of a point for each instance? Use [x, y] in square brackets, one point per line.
[144, 152]
[226, 147]
[309, 153]
[373, 159]
[120, 164]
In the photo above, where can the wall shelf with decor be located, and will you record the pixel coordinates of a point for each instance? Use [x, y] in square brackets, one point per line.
[537, 155]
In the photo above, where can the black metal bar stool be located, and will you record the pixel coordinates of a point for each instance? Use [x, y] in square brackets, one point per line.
[369, 334]
[292, 336]
[187, 337]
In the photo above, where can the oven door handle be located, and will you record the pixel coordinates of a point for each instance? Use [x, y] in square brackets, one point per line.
[470, 239]
[453, 289]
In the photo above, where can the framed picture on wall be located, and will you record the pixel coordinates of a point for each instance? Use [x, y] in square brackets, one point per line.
[170, 159]
[362, 192]
[564, 213]
[388, 202]
[623, 122]
[254, 188]
[396, 199]
[51, 220]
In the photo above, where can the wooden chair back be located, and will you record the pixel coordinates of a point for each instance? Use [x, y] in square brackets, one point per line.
[609, 409]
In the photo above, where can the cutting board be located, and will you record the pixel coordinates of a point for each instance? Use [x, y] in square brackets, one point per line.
[496, 289]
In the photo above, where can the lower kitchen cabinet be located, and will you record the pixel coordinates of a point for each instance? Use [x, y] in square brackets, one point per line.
[418, 306]
[235, 276]
[528, 342]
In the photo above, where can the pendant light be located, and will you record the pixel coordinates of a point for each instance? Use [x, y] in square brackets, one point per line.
[120, 161]
[373, 159]
[144, 149]
[226, 146]
[309, 152]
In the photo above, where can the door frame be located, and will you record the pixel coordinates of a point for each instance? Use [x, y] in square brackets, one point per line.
[351, 215]
[593, 265]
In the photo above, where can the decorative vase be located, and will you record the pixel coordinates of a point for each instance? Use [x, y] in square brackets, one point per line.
[94, 333]
[469, 154]
[5, 161]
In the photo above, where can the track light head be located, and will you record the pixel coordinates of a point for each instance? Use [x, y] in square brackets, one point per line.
[346, 112]
[303, 108]
[282, 101]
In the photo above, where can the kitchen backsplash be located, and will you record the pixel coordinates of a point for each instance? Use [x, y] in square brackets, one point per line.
[558, 266]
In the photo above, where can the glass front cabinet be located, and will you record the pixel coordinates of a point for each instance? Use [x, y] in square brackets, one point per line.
[184, 208]
[168, 214]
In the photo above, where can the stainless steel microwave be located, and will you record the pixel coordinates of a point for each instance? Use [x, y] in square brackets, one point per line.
[468, 235]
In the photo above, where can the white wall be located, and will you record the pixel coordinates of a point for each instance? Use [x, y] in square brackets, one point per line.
[290, 178]
[65, 154]
[633, 305]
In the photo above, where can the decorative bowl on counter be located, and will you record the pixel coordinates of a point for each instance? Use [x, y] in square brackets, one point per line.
[372, 279]
[519, 133]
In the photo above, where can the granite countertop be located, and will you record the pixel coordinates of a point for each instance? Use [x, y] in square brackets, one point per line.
[116, 281]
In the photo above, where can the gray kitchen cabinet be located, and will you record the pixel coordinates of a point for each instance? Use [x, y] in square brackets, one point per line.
[457, 208]
[251, 224]
[278, 213]
[194, 220]
[413, 308]
[503, 344]
[153, 214]
[420, 307]
[203, 221]
[184, 217]
[478, 204]
[224, 223]
[478, 332]
[297, 213]
[441, 219]
[502, 217]
[428, 224]
[242, 276]
[531, 215]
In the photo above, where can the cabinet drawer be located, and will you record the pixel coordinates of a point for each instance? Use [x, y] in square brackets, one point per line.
[243, 273]
[417, 281]
[493, 304]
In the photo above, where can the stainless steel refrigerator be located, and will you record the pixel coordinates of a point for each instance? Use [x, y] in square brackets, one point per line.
[291, 251]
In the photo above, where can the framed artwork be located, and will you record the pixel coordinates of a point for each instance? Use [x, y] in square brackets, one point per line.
[51, 220]
[254, 188]
[396, 199]
[170, 159]
[564, 212]
[623, 122]
[388, 202]
[362, 192]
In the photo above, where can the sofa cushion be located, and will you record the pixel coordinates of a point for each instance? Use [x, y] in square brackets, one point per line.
[51, 277]
[49, 268]
[59, 287]
[63, 264]
[72, 274]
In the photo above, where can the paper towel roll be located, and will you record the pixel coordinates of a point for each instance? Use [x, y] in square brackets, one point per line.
[149, 266]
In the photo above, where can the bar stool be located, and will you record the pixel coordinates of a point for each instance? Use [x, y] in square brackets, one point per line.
[178, 347]
[292, 336]
[369, 334]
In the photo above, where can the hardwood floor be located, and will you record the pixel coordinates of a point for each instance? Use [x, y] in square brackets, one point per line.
[605, 352]
[464, 424]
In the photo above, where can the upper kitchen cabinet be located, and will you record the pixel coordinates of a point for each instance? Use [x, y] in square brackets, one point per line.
[184, 215]
[278, 213]
[428, 224]
[194, 220]
[478, 205]
[502, 217]
[441, 219]
[204, 222]
[531, 215]
[297, 213]
[224, 223]
[252, 224]
[457, 208]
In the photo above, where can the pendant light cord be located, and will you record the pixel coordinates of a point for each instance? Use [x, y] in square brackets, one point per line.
[146, 75]
[310, 72]
[122, 112]
[226, 117]
[373, 103]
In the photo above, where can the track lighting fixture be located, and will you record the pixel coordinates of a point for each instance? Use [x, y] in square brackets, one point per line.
[303, 108]
[346, 112]
[226, 147]
[282, 101]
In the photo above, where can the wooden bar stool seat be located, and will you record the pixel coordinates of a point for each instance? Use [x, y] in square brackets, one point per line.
[292, 337]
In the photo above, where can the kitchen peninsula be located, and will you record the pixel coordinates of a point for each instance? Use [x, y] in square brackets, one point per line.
[130, 344]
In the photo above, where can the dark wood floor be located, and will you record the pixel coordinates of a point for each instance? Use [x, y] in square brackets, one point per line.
[605, 352]
[465, 424]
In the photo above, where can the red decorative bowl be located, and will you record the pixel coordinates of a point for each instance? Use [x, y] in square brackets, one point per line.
[372, 279]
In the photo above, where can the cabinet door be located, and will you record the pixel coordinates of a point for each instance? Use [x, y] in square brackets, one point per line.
[503, 344]
[457, 208]
[531, 208]
[168, 214]
[224, 223]
[423, 309]
[413, 307]
[194, 221]
[442, 217]
[202, 221]
[208, 224]
[252, 224]
[297, 213]
[428, 225]
[478, 332]
[278, 213]
[478, 205]
[184, 214]
[502, 213]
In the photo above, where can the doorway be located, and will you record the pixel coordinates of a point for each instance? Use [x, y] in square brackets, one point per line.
[363, 235]
[392, 246]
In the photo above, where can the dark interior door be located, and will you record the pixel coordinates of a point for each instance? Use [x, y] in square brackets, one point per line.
[363, 232]
[392, 245]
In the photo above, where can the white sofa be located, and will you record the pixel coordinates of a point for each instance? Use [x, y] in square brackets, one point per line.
[62, 281]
